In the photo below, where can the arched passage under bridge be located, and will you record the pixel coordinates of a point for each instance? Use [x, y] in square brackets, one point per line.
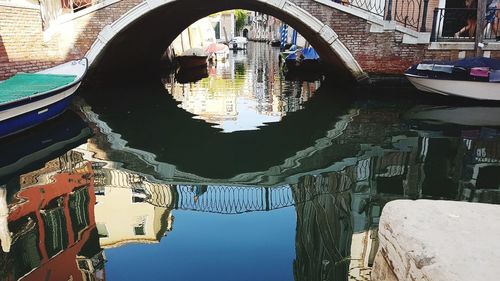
[137, 39]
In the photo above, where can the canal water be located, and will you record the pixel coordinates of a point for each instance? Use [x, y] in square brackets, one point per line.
[239, 175]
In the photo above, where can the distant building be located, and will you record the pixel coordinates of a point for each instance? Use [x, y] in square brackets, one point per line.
[266, 28]
[198, 35]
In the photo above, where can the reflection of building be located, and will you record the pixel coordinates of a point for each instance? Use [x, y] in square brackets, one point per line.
[54, 234]
[452, 168]
[213, 107]
[129, 209]
[324, 227]
[244, 93]
[267, 28]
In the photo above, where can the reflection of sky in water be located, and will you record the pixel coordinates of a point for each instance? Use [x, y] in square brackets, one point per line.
[250, 246]
[248, 117]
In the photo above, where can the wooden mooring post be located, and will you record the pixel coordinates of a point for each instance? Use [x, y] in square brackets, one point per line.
[480, 25]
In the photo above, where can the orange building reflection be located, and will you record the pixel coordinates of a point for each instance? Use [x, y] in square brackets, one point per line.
[54, 231]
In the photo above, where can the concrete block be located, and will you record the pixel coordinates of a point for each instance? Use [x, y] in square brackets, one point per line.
[439, 240]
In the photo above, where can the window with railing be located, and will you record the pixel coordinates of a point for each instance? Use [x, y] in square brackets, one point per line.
[453, 23]
[54, 9]
[459, 24]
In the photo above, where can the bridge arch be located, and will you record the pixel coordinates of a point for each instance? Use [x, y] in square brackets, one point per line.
[139, 37]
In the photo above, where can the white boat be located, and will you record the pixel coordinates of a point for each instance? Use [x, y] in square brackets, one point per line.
[238, 43]
[28, 99]
[475, 78]
[468, 89]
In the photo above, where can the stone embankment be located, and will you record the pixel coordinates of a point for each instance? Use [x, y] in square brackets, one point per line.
[438, 240]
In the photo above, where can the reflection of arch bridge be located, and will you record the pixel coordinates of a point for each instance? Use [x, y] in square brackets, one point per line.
[221, 199]
[204, 198]
[355, 38]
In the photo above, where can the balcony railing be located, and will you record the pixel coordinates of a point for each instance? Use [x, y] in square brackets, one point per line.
[52, 10]
[409, 13]
[459, 24]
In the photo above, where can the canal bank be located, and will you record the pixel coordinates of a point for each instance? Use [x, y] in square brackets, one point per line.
[419, 241]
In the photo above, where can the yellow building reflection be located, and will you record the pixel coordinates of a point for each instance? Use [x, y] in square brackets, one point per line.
[130, 209]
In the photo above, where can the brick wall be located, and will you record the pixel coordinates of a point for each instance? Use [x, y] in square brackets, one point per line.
[21, 41]
[24, 49]
[382, 53]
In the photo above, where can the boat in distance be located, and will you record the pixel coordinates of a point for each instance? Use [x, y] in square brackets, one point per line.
[194, 57]
[28, 99]
[476, 78]
[238, 43]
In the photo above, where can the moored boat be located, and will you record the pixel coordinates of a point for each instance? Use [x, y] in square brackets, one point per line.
[303, 60]
[275, 43]
[238, 43]
[475, 78]
[28, 99]
[195, 57]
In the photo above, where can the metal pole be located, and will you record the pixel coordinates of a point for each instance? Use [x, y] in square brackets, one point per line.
[424, 17]
[388, 16]
[481, 22]
[434, 26]
[267, 198]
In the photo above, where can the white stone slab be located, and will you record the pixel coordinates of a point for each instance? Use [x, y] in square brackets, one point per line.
[441, 240]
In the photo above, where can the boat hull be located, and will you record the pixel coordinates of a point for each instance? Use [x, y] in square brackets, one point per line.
[192, 61]
[303, 66]
[28, 115]
[467, 89]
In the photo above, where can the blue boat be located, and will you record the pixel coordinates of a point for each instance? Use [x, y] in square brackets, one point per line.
[28, 99]
[306, 59]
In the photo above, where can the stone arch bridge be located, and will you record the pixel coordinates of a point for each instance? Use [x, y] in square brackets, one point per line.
[132, 34]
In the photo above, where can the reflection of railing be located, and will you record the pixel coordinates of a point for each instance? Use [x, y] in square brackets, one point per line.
[233, 200]
[458, 24]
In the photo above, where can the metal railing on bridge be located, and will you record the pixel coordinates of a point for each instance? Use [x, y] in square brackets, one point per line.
[459, 24]
[444, 24]
[409, 13]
